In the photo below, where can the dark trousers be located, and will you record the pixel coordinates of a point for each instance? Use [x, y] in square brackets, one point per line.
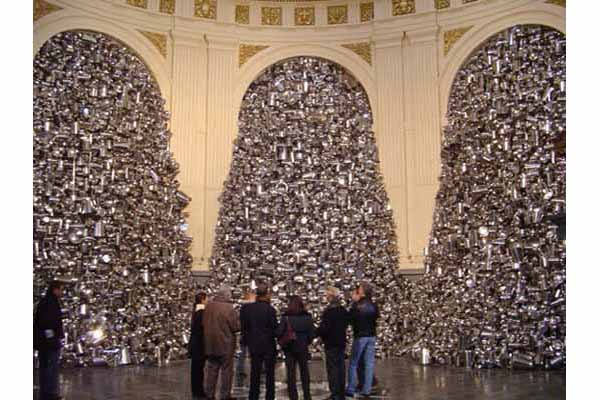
[198, 377]
[301, 359]
[49, 363]
[215, 366]
[336, 371]
[256, 365]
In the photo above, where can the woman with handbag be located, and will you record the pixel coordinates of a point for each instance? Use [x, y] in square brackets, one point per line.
[296, 331]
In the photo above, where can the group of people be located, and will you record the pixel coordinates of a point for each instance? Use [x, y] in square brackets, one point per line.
[213, 340]
[216, 323]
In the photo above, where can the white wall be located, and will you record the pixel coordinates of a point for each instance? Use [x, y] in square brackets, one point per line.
[408, 85]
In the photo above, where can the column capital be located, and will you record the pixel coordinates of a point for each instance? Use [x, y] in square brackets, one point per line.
[222, 42]
[428, 34]
[188, 39]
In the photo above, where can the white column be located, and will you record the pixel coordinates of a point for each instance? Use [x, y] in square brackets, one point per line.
[390, 134]
[221, 128]
[423, 136]
[188, 124]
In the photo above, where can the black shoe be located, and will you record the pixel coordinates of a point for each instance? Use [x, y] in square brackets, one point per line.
[349, 395]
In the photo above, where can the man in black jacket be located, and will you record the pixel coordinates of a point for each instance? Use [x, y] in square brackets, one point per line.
[47, 340]
[363, 317]
[259, 322]
[196, 347]
[332, 330]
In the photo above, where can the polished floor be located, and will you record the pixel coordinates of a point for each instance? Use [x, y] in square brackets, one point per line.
[400, 379]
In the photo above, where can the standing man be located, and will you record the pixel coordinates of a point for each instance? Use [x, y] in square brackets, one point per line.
[249, 298]
[196, 347]
[363, 317]
[332, 330]
[221, 322]
[259, 322]
[47, 340]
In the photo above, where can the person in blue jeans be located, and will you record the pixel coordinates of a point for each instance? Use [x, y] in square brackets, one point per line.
[363, 317]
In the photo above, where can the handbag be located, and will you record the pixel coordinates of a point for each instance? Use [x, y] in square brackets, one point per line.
[288, 336]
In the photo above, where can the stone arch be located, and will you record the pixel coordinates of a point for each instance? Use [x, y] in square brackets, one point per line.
[61, 22]
[345, 58]
[479, 34]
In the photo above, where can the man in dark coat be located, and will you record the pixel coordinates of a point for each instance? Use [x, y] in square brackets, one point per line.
[259, 322]
[248, 298]
[221, 322]
[334, 323]
[196, 347]
[47, 340]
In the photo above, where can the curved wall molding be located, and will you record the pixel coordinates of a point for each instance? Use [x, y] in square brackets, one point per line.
[408, 83]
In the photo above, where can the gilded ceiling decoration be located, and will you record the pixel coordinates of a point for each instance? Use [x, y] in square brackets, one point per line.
[441, 4]
[304, 16]
[402, 7]
[42, 8]
[246, 51]
[271, 15]
[159, 40]
[452, 36]
[337, 15]
[205, 9]
[367, 11]
[167, 6]
[362, 49]
[138, 3]
[242, 14]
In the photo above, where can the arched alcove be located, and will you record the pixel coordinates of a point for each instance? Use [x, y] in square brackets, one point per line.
[344, 57]
[69, 21]
[478, 35]
[103, 178]
[304, 203]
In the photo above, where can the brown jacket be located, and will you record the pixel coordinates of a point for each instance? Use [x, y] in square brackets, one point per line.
[221, 322]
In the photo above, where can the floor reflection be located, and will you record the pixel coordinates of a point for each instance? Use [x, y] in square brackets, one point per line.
[400, 379]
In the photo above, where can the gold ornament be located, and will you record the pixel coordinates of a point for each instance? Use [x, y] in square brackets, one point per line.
[452, 36]
[402, 7]
[304, 16]
[167, 6]
[242, 14]
[205, 9]
[159, 40]
[138, 3]
[367, 12]
[42, 8]
[248, 50]
[362, 49]
[271, 15]
[562, 3]
[441, 4]
[337, 15]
